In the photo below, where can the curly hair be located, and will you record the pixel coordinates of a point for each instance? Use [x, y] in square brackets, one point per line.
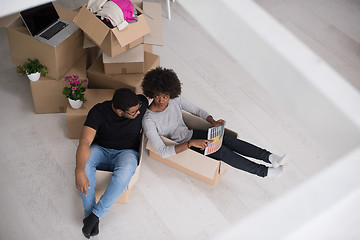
[161, 80]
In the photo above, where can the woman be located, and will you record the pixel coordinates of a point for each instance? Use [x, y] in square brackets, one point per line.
[164, 117]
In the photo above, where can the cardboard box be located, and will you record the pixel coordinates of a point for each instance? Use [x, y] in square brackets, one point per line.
[131, 61]
[153, 15]
[103, 178]
[47, 92]
[193, 163]
[111, 40]
[57, 59]
[148, 48]
[98, 78]
[89, 44]
[76, 117]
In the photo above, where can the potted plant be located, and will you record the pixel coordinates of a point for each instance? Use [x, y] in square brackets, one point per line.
[20, 70]
[34, 69]
[75, 90]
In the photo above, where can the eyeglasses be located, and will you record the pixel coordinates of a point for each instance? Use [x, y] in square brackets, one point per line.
[134, 113]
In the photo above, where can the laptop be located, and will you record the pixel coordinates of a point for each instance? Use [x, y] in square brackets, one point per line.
[44, 24]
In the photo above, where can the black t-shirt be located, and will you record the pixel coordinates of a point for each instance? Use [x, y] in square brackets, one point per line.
[113, 131]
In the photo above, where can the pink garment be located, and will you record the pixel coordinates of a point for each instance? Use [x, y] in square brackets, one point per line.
[127, 8]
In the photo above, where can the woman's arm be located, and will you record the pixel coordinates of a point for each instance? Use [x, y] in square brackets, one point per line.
[166, 151]
[151, 133]
[192, 108]
[198, 143]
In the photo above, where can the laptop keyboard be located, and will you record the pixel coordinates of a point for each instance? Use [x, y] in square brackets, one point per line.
[53, 30]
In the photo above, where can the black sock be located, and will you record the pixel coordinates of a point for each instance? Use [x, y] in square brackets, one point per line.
[95, 230]
[89, 223]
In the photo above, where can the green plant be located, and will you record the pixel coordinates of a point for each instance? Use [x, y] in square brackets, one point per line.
[75, 88]
[20, 69]
[33, 66]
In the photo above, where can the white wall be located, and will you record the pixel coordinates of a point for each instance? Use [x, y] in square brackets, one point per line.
[12, 6]
[308, 88]
[323, 207]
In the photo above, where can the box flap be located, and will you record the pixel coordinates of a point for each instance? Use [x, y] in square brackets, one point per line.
[151, 61]
[132, 32]
[88, 43]
[91, 25]
[135, 54]
[64, 13]
[9, 19]
[155, 23]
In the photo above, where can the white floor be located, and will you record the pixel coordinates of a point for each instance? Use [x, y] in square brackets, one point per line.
[38, 197]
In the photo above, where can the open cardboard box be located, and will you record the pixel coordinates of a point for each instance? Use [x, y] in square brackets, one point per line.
[76, 117]
[193, 163]
[131, 61]
[103, 178]
[47, 92]
[57, 59]
[98, 78]
[111, 40]
[153, 17]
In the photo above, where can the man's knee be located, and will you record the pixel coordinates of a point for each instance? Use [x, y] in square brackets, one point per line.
[126, 166]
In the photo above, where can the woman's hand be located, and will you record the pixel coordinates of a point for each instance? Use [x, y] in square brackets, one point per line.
[217, 123]
[199, 143]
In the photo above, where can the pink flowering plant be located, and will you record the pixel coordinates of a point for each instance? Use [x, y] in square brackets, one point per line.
[75, 88]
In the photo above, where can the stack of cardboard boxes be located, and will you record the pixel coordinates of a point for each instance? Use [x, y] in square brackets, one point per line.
[125, 56]
[108, 57]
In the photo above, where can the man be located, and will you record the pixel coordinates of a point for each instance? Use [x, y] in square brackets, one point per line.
[109, 141]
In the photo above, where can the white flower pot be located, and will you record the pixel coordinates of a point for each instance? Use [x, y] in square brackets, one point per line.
[34, 76]
[75, 104]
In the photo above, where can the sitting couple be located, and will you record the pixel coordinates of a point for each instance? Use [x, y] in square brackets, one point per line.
[111, 135]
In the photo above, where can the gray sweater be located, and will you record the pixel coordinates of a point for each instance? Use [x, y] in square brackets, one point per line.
[170, 124]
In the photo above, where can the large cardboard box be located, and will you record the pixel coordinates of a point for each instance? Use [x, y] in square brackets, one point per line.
[76, 117]
[153, 15]
[131, 61]
[111, 40]
[98, 78]
[103, 178]
[47, 92]
[195, 164]
[57, 59]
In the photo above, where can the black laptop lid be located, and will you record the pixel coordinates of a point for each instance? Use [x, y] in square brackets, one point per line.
[40, 17]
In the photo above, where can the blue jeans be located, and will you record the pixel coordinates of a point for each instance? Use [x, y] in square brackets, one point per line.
[231, 153]
[122, 163]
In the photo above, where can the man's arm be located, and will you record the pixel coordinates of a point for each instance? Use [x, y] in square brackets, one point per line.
[82, 155]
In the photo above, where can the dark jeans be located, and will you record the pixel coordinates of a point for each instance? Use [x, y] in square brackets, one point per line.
[230, 153]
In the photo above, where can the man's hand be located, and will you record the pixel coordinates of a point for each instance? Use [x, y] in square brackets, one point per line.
[82, 182]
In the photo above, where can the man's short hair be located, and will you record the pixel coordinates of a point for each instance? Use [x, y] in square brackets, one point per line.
[124, 99]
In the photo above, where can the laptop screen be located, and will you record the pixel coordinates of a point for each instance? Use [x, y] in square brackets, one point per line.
[40, 17]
